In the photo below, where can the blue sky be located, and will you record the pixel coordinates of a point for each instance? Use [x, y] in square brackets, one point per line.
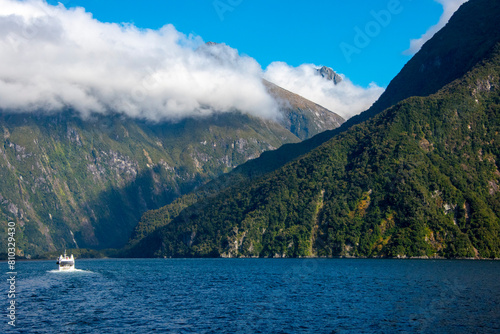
[294, 32]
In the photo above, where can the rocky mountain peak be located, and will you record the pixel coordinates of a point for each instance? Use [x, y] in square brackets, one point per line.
[329, 74]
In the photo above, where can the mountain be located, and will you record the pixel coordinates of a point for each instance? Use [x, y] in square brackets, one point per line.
[329, 74]
[302, 117]
[474, 24]
[419, 179]
[467, 38]
[70, 182]
[451, 53]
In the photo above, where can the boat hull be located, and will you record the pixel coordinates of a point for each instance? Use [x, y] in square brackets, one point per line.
[66, 262]
[65, 268]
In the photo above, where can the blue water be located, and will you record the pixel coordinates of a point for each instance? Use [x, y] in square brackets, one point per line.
[258, 296]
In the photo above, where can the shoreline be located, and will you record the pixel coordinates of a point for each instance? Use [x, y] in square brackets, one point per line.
[301, 257]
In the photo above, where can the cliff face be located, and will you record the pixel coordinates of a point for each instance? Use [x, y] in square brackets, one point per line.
[302, 117]
[75, 183]
[85, 183]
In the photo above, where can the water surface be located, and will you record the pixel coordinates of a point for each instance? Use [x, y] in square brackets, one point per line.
[258, 296]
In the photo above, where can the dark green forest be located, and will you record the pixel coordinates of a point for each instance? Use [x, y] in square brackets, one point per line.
[416, 175]
[70, 181]
[420, 179]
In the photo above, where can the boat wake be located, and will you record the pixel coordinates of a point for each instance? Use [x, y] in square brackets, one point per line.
[70, 271]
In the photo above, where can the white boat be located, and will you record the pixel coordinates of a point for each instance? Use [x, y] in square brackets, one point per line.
[66, 262]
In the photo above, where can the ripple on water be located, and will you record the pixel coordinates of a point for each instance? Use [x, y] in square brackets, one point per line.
[259, 295]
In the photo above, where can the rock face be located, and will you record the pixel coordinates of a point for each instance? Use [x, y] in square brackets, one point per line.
[74, 183]
[302, 117]
[329, 74]
[70, 182]
[61, 176]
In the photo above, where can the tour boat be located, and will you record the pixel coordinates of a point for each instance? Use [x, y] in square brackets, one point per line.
[66, 262]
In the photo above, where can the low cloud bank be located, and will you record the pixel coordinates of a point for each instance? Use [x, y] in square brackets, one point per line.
[55, 58]
[344, 99]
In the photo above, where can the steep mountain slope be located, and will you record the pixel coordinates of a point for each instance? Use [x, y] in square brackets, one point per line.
[419, 179]
[466, 39]
[302, 117]
[75, 183]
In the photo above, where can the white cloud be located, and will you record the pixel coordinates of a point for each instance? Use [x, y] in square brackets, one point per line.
[449, 8]
[54, 58]
[345, 98]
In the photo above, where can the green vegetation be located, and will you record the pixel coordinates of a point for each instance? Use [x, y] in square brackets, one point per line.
[70, 183]
[420, 179]
[397, 185]
[79, 253]
[415, 175]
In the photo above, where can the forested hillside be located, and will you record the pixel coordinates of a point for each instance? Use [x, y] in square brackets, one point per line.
[73, 182]
[468, 38]
[419, 179]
